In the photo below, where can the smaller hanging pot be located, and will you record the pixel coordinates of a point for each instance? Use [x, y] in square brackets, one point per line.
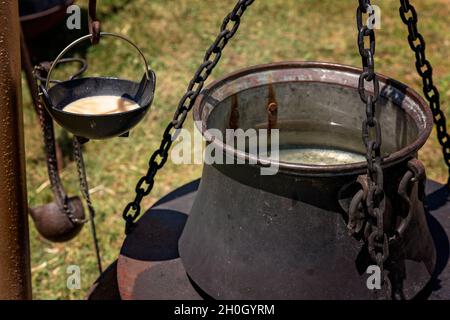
[97, 126]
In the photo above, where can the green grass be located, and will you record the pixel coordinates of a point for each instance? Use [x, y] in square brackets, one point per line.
[174, 36]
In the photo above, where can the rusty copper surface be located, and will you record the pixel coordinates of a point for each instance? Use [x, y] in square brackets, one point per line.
[37, 23]
[14, 242]
[272, 109]
[252, 228]
[150, 255]
[105, 287]
[55, 225]
[234, 115]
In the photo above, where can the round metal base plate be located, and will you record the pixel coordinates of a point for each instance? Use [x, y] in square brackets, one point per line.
[149, 267]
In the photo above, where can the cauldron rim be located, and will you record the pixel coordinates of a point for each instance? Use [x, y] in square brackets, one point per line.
[306, 169]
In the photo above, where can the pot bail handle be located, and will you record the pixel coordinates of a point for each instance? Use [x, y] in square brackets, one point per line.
[89, 36]
[148, 82]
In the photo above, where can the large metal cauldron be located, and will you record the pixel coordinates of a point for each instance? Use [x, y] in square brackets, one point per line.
[38, 16]
[284, 236]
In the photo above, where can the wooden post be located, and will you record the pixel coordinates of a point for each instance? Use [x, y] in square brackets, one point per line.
[15, 273]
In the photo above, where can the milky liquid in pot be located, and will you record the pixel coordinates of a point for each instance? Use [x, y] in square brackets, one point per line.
[101, 105]
[312, 143]
[319, 156]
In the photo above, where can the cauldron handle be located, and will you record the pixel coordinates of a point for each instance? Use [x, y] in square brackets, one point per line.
[407, 221]
[86, 37]
[414, 174]
[148, 79]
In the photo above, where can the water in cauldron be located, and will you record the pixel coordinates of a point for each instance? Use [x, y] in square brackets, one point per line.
[312, 131]
[312, 143]
[319, 156]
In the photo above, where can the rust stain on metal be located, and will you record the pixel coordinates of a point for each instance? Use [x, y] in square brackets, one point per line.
[128, 272]
[234, 115]
[272, 109]
[14, 245]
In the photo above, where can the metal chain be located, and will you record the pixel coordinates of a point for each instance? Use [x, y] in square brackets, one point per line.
[62, 200]
[371, 132]
[144, 186]
[416, 41]
[55, 182]
[84, 186]
[46, 123]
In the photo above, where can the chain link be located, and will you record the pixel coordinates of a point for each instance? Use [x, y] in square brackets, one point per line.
[378, 245]
[84, 186]
[145, 184]
[416, 41]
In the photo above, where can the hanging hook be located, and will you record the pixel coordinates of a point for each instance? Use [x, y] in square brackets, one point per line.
[94, 23]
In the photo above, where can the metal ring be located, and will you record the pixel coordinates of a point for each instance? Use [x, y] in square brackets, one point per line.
[83, 38]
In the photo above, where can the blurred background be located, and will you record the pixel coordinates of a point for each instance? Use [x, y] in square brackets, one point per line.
[174, 35]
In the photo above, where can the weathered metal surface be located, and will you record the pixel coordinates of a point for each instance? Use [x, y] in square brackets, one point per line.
[275, 237]
[51, 220]
[438, 205]
[234, 115]
[15, 278]
[137, 278]
[333, 75]
[37, 16]
[55, 225]
[272, 109]
[150, 253]
[322, 232]
[105, 287]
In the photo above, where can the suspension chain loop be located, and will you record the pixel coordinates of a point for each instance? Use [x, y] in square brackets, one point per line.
[377, 239]
[416, 41]
[228, 29]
